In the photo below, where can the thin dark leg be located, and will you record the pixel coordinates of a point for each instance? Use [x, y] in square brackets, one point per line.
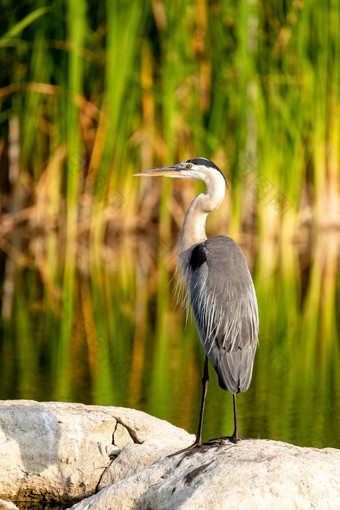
[235, 437]
[205, 381]
[198, 441]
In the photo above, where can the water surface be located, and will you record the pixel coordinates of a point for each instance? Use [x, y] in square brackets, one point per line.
[118, 338]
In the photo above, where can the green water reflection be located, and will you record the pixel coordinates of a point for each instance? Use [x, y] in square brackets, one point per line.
[128, 343]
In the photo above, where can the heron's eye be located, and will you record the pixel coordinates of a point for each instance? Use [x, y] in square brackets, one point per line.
[189, 165]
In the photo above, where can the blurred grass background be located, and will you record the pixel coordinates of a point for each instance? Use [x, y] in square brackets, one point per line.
[91, 92]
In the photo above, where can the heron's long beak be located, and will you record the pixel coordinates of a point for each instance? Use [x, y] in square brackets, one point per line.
[167, 171]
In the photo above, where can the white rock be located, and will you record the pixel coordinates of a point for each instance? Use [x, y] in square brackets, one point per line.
[60, 451]
[7, 505]
[254, 474]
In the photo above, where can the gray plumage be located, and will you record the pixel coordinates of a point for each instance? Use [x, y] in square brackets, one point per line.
[218, 285]
[224, 306]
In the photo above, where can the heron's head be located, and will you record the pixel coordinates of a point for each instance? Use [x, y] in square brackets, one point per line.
[198, 168]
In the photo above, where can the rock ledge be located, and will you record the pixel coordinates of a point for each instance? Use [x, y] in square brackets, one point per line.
[110, 457]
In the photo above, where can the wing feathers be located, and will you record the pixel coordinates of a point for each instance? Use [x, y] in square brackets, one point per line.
[224, 306]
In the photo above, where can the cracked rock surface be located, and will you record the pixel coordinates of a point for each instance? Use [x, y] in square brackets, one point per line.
[116, 458]
[64, 452]
[252, 475]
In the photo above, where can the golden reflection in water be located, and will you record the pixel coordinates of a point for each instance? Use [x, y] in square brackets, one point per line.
[130, 344]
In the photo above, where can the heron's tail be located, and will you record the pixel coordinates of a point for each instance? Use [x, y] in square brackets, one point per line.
[234, 369]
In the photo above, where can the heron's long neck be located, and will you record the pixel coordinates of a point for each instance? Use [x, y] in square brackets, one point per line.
[193, 231]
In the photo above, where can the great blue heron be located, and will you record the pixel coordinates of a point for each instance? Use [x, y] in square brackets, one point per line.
[219, 287]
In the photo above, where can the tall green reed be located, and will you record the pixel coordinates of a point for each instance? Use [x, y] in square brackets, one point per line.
[105, 89]
[76, 27]
[252, 85]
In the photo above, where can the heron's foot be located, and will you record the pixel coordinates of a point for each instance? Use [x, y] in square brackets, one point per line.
[235, 438]
[195, 445]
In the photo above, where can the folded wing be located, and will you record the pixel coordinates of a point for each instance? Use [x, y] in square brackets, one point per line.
[224, 306]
